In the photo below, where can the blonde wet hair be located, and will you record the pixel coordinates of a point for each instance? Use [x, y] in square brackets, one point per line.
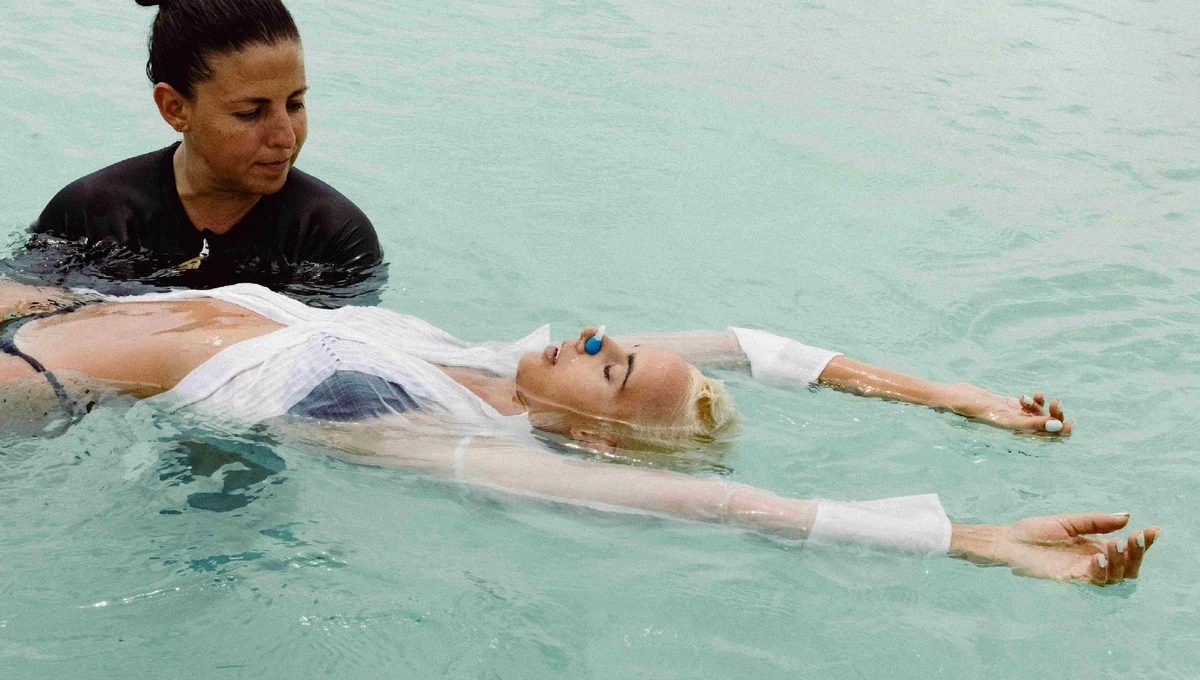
[706, 414]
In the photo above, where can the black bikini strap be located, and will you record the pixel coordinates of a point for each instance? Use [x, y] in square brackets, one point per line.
[8, 345]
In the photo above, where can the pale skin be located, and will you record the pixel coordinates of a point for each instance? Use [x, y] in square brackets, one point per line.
[719, 349]
[242, 129]
[144, 348]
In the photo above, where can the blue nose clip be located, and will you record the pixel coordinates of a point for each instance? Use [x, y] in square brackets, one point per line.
[592, 346]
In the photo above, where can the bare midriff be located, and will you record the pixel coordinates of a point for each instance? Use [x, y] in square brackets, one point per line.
[141, 348]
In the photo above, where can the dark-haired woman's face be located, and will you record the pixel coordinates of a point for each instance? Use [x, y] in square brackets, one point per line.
[247, 123]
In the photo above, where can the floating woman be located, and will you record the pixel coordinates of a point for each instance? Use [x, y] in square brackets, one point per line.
[384, 388]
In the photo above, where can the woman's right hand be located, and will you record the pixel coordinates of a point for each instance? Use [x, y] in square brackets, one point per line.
[1061, 547]
[1024, 414]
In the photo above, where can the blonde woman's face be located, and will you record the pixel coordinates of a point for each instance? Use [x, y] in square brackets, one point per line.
[642, 385]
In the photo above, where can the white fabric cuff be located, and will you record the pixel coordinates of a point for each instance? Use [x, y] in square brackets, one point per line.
[779, 361]
[909, 523]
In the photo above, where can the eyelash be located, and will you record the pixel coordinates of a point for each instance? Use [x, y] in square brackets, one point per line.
[606, 371]
[251, 115]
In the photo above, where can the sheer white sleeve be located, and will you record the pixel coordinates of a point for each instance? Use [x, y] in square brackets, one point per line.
[908, 523]
[769, 358]
[780, 361]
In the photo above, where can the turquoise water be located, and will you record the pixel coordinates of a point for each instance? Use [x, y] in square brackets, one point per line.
[998, 192]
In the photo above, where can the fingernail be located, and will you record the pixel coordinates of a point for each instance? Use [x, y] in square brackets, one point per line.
[1120, 514]
[1120, 546]
[1141, 540]
[1054, 425]
[1025, 399]
[1102, 560]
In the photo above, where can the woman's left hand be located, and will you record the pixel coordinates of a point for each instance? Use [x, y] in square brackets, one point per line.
[1024, 414]
[1059, 547]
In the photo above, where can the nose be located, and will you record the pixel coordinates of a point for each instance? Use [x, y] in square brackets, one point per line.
[607, 346]
[280, 132]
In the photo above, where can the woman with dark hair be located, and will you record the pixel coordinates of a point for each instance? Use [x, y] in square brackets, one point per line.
[225, 204]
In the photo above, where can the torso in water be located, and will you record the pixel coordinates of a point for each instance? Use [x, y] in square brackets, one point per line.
[143, 348]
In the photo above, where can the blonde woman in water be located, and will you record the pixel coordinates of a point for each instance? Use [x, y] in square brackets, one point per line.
[383, 388]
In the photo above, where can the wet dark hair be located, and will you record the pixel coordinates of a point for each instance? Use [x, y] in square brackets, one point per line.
[187, 32]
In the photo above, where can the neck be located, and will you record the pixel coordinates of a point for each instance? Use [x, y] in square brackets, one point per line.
[499, 393]
[207, 204]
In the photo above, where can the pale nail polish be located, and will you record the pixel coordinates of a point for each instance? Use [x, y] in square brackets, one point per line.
[1141, 539]
[1027, 400]
[1120, 546]
[1054, 425]
[1102, 560]
[1120, 514]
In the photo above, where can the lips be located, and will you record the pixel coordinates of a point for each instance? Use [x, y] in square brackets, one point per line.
[276, 165]
[551, 354]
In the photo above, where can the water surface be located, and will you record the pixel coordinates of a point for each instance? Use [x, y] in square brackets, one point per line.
[1000, 192]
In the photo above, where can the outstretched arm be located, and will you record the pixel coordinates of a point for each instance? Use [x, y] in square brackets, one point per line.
[788, 363]
[1045, 547]
[19, 299]
[525, 471]
[1024, 414]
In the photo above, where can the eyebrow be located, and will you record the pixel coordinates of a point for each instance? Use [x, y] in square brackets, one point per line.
[628, 371]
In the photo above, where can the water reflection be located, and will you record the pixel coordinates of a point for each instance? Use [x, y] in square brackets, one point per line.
[119, 270]
[242, 466]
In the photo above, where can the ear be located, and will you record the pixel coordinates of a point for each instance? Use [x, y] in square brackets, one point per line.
[593, 438]
[173, 107]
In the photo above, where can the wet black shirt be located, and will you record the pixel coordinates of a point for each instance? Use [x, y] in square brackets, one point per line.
[123, 229]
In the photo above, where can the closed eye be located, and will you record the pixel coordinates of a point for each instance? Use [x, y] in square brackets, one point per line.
[607, 368]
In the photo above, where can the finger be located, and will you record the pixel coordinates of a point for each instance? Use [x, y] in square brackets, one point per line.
[1139, 543]
[1116, 561]
[1097, 571]
[1092, 522]
[1044, 424]
[1039, 398]
[1151, 534]
[1029, 406]
[1133, 555]
[1067, 427]
[1056, 411]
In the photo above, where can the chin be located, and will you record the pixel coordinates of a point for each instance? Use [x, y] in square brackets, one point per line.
[266, 187]
[528, 363]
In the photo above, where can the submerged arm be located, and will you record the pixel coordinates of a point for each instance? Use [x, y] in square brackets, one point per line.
[787, 363]
[517, 469]
[1046, 547]
[17, 299]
